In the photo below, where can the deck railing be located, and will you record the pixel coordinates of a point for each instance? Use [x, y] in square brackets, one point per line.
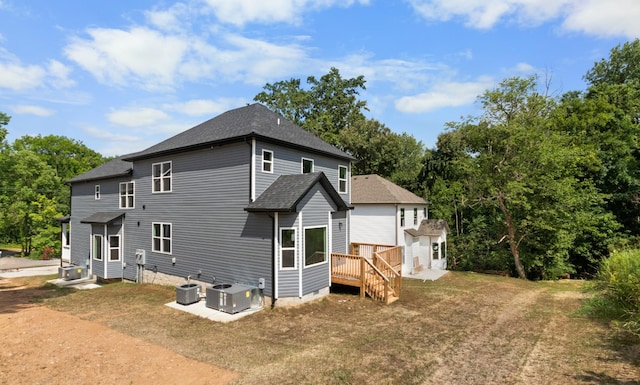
[375, 269]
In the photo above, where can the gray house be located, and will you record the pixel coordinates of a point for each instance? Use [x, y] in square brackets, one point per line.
[242, 198]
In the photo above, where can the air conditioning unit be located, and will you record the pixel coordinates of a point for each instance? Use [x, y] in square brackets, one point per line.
[229, 298]
[69, 273]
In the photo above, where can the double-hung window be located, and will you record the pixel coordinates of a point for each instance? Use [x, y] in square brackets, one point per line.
[267, 161]
[287, 248]
[114, 248]
[307, 165]
[342, 179]
[96, 195]
[161, 175]
[415, 216]
[127, 195]
[161, 238]
[402, 217]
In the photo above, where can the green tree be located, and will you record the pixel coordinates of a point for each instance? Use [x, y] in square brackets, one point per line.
[521, 180]
[329, 105]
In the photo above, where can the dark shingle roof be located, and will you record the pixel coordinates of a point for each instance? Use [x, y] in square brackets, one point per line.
[113, 168]
[254, 120]
[430, 227]
[288, 190]
[375, 189]
[103, 218]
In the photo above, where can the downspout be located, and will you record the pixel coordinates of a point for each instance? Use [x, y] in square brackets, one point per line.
[252, 168]
[274, 253]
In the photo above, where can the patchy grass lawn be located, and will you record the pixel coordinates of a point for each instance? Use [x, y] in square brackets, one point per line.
[462, 329]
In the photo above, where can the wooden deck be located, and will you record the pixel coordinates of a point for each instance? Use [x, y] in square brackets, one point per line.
[375, 269]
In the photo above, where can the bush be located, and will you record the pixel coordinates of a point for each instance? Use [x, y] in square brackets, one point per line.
[618, 289]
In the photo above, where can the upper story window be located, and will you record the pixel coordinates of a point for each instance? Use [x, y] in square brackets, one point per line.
[127, 195]
[161, 175]
[267, 161]
[307, 165]
[424, 213]
[342, 179]
[402, 217]
[161, 238]
[415, 216]
[97, 192]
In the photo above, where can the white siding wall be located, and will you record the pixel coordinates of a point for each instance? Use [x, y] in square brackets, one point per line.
[374, 224]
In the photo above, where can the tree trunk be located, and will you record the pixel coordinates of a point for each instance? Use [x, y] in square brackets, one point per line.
[511, 236]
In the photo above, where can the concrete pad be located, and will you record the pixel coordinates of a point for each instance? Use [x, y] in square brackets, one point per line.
[201, 310]
[29, 272]
[427, 275]
[80, 284]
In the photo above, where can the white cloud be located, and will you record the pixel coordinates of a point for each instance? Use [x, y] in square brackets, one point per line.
[593, 17]
[18, 77]
[272, 11]
[450, 94]
[59, 75]
[198, 107]
[140, 54]
[32, 110]
[137, 117]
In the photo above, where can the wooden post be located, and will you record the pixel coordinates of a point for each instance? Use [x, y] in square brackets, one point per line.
[362, 278]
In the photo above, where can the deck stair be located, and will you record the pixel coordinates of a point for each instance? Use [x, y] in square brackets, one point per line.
[375, 269]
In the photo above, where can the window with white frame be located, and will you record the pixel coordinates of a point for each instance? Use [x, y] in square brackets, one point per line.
[97, 247]
[161, 238]
[415, 215]
[342, 179]
[114, 248]
[402, 217]
[267, 161]
[127, 195]
[287, 248]
[97, 192]
[161, 175]
[307, 165]
[315, 245]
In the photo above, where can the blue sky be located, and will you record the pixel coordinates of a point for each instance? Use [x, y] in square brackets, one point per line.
[123, 75]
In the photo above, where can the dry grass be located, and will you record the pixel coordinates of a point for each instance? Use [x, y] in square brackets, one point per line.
[461, 329]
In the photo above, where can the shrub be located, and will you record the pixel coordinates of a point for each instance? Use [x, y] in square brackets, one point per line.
[618, 288]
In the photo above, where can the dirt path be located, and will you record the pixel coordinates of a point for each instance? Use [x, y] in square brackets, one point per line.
[44, 346]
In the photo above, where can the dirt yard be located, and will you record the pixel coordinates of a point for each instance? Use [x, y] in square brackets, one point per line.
[464, 328]
[39, 345]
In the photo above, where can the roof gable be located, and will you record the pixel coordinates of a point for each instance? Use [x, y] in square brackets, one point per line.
[253, 120]
[286, 192]
[376, 189]
[430, 227]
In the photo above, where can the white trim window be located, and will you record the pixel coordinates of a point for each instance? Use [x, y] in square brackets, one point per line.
[161, 174]
[287, 248]
[267, 161]
[161, 237]
[401, 217]
[96, 193]
[97, 248]
[127, 195]
[343, 177]
[307, 165]
[415, 215]
[315, 245]
[114, 248]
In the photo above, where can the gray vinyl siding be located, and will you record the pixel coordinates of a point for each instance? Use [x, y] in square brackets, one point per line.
[83, 205]
[288, 161]
[288, 280]
[339, 235]
[211, 232]
[315, 209]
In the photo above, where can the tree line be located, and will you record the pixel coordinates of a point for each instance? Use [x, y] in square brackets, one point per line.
[539, 185]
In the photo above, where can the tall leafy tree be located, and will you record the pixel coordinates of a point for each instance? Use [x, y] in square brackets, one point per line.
[329, 104]
[521, 180]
